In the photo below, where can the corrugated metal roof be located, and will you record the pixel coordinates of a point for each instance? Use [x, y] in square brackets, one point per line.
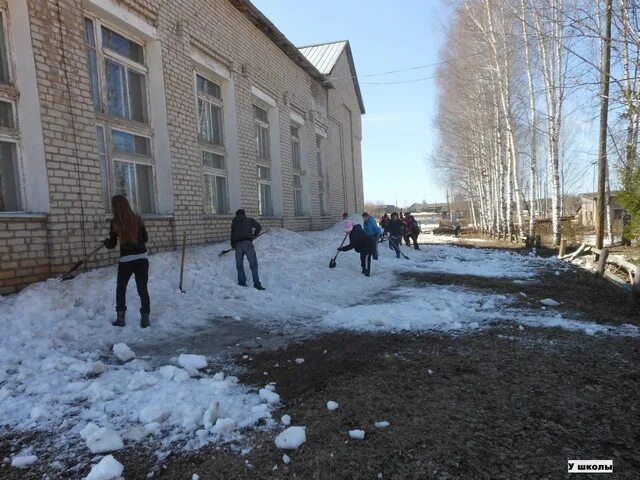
[325, 56]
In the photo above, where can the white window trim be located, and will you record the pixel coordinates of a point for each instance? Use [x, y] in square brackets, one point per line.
[299, 119]
[218, 102]
[32, 168]
[216, 68]
[124, 21]
[119, 15]
[260, 95]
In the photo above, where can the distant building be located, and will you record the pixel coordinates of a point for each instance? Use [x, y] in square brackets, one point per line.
[586, 213]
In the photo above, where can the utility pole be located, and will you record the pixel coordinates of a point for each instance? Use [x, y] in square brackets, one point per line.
[604, 111]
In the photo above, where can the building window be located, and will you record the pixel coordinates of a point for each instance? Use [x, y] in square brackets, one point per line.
[321, 178]
[104, 167]
[134, 181]
[118, 79]
[209, 103]
[9, 179]
[263, 150]
[5, 76]
[209, 108]
[297, 196]
[263, 143]
[295, 147]
[265, 205]
[117, 63]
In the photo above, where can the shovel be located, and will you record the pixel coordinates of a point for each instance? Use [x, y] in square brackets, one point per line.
[67, 275]
[332, 263]
[224, 252]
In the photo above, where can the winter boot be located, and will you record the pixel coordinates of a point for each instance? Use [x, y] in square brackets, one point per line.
[144, 320]
[364, 271]
[258, 286]
[120, 320]
[367, 273]
[416, 247]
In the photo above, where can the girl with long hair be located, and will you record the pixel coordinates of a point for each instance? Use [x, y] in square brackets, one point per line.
[127, 227]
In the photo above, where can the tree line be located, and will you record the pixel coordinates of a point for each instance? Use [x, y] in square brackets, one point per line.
[516, 77]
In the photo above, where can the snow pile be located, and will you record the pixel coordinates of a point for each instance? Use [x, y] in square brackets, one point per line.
[291, 438]
[57, 373]
[106, 469]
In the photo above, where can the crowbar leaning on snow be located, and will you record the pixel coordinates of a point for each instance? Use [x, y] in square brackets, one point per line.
[67, 275]
[229, 249]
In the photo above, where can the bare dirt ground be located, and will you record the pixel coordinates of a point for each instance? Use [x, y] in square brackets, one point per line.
[501, 403]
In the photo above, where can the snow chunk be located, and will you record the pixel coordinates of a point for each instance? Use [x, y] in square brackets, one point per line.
[286, 459]
[38, 411]
[88, 429]
[382, 424]
[123, 352]
[299, 361]
[331, 405]
[211, 415]
[106, 469]
[195, 476]
[269, 396]
[549, 302]
[291, 438]
[174, 373]
[286, 420]
[153, 413]
[104, 440]
[224, 426]
[140, 380]
[23, 461]
[190, 361]
[356, 434]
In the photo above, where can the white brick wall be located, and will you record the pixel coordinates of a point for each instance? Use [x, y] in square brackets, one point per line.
[36, 247]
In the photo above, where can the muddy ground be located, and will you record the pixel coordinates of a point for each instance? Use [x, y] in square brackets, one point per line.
[502, 403]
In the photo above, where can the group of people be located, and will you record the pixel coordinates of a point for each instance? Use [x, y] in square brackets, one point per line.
[365, 239]
[128, 229]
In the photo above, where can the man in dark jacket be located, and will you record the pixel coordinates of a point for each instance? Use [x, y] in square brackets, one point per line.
[395, 229]
[362, 244]
[243, 231]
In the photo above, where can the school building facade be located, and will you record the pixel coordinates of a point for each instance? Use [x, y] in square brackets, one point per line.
[190, 108]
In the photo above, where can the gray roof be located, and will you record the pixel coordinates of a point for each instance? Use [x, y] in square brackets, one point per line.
[324, 58]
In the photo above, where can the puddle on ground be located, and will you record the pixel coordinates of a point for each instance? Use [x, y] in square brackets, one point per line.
[222, 338]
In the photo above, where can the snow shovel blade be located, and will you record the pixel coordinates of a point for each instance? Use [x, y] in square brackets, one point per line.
[332, 263]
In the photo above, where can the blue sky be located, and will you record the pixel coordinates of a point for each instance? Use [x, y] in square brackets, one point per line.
[398, 131]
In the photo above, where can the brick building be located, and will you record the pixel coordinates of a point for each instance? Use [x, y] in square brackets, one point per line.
[192, 108]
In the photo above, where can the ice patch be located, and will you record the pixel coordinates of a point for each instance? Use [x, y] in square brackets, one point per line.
[357, 434]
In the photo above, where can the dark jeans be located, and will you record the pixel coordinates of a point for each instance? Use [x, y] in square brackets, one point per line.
[394, 244]
[139, 268]
[374, 246]
[411, 236]
[365, 261]
[243, 248]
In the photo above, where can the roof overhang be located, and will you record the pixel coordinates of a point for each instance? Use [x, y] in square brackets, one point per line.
[356, 84]
[256, 17]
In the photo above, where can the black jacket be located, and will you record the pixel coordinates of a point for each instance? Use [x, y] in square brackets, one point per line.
[243, 228]
[128, 248]
[395, 228]
[359, 241]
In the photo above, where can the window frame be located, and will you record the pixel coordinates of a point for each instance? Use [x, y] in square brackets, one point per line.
[104, 54]
[4, 22]
[209, 147]
[322, 184]
[296, 147]
[298, 207]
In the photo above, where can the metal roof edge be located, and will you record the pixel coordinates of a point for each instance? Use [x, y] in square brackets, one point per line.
[356, 84]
